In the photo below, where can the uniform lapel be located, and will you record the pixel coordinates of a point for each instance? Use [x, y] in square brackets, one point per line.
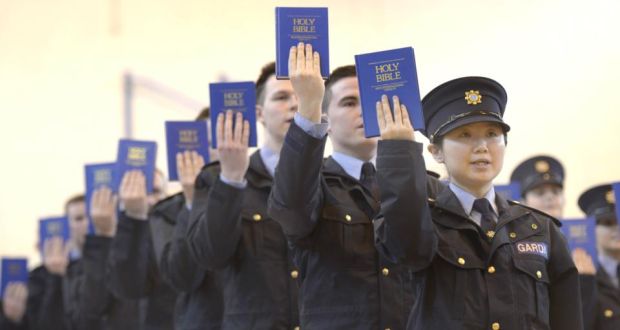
[361, 195]
[448, 202]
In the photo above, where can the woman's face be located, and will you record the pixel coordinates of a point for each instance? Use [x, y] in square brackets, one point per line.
[473, 154]
[608, 240]
[548, 198]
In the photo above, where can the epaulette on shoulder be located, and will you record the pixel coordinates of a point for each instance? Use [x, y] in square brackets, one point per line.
[172, 199]
[556, 221]
[207, 174]
[211, 165]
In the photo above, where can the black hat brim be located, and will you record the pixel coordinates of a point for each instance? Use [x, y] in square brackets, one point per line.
[474, 118]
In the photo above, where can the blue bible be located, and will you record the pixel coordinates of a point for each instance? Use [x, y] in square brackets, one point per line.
[581, 233]
[135, 155]
[616, 197]
[511, 191]
[13, 270]
[295, 25]
[236, 96]
[53, 227]
[185, 136]
[390, 72]
[97, 176]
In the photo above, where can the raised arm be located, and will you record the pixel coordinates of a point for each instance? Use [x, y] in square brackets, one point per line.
[177, 265]
[131, 261]
[215, 220]
[296, 195]
[404, 231]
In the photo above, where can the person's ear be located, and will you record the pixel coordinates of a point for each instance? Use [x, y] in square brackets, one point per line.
[436, 152]
[259, 114]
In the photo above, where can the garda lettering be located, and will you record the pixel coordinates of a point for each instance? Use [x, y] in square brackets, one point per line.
[387, 72]
[533, 248]
[233, 99]
[188, 136]
[304, 25]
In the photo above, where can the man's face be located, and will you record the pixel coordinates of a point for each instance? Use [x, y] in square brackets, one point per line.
[548, 198]
[473, 154]
[278, 108]
[346, 124]
[159, 189]
[78, 223]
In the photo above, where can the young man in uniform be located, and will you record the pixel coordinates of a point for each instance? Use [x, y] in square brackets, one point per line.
[599, 203]
[230, 231]
[99, 308]
[132, 266]
[150, 257]
[54, 287]
[199, 302]
[326, 207]
[481, 262]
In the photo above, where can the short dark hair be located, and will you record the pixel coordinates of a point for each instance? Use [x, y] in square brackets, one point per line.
[75, 199]
[342, 72]
[267, 71]
[204, 114]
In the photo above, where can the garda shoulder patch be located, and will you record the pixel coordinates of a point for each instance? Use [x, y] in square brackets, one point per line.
[538, 248]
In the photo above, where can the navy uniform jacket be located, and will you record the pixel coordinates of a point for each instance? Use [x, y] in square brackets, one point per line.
[53, 299]
[99, 308]
[44, 308]
[136, 251]
[522, 278]
[199, 303]
[134, 275]
[231, 233]
[589, 293]
[606, 314]
[326, 216]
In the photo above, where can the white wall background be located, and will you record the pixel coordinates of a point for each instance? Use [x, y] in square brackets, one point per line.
[61, 64]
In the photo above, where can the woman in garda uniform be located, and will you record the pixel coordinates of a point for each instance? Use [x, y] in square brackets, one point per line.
[479, 261]
[541, 183]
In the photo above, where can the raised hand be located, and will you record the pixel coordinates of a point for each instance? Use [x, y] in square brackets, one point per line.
[133, 195]
[304, 68]
[14, 301]
[583, 262]
[103, 212]
[232, 145]
[56, 255]
[189, 164]
[396, 127]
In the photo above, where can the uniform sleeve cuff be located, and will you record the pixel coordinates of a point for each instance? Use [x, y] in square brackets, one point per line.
[317, 131]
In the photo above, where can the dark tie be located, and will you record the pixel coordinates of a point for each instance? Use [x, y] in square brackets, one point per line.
[368, 179]
[487, 220]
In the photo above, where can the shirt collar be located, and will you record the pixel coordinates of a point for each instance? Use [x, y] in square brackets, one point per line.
[270, 158]
[351, 165]
[467, 199]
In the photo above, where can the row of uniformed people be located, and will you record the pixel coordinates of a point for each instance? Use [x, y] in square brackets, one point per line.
[541, 180]
[329, 244]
